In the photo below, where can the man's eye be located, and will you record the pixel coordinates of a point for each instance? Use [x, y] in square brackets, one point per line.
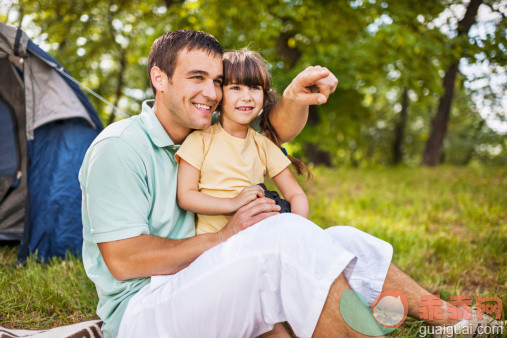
[218, 82]
[197, 77]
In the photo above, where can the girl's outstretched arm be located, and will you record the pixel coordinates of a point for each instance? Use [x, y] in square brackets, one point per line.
[189, 197]
[292, 192]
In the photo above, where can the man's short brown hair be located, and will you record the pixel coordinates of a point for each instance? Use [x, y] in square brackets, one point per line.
[165, 49]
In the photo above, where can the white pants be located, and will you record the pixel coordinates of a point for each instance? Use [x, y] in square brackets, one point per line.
[278, 270]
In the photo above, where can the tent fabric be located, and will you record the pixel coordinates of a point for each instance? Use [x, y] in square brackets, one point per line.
[12, 209]
[8, 36]
[42, 55]
[50, 98]
[57, 152]
[54, 125]
[53, 99]
[8, 147]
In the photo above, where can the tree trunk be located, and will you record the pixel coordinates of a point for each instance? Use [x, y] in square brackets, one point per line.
[313, 116]
[440, 121]
[471, 151]
[399, 129]
[119, 85]
[21, 12]
[169, 3]
[317, 155]
[292, 56]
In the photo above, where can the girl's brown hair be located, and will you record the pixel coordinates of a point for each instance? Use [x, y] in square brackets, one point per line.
[247, 67]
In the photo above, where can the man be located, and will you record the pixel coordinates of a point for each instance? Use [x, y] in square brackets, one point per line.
[155, 278]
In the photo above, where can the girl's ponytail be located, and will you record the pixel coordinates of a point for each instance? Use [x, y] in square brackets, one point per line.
[270, 132]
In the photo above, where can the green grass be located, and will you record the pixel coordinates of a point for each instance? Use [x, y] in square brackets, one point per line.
[447, 226]
[36, 295]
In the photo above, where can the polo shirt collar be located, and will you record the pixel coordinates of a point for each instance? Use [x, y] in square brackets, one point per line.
[154, 128]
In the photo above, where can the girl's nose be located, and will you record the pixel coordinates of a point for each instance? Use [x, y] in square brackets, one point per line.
[247, 95]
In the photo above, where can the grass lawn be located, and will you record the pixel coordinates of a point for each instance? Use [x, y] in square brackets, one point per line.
[447, 226]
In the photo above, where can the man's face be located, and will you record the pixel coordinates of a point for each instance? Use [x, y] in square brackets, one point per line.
[194, 91]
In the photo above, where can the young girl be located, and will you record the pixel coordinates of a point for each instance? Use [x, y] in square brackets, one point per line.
[220, 167]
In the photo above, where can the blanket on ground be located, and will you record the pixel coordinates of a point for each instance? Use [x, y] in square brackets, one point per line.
[89, 329]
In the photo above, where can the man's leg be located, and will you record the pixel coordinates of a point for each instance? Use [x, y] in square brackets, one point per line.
[372, 252]
[280, 269]
[278, 331]
[397, 279]
[331, 323]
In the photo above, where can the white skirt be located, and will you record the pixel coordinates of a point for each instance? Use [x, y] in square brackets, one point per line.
[278, 270]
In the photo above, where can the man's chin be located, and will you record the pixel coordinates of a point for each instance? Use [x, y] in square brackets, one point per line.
[203, 124]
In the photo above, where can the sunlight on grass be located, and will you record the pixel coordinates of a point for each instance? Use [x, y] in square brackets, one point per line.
[447, 226]
[43, 295]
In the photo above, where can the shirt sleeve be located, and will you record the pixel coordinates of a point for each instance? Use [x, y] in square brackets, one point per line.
[276, 160]
[192, 150]
[116, 198]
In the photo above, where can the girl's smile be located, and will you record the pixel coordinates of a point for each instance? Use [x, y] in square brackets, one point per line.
[240, 105]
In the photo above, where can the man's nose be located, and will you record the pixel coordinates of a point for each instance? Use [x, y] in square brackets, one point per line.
[210, 90]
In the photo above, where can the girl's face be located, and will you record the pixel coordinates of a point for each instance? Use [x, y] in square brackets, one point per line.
[241, 104]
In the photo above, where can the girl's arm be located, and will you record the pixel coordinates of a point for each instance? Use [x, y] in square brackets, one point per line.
[189, 197]
[292, 192]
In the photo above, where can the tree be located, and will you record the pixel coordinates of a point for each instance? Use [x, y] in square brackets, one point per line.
[390, 57]
[400, 128]
[440, 121]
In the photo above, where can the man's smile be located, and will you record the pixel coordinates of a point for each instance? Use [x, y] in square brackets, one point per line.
[202, 107]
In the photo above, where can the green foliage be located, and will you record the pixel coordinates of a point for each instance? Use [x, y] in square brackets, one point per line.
[470, 138]
[376, 48]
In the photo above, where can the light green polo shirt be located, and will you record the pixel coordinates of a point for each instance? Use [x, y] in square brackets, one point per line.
[128, 179]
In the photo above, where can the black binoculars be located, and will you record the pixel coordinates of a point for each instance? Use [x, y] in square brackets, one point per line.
[284, 205]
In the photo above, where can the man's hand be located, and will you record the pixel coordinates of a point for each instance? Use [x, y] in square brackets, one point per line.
[312, 86]
[248, 215]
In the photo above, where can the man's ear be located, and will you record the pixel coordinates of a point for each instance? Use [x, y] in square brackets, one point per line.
[159, 79]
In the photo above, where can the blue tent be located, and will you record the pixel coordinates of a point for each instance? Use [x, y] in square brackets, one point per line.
[46, 125]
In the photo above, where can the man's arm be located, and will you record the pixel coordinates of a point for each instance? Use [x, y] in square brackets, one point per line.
[116, 202]
[311, 86]
[148, 255]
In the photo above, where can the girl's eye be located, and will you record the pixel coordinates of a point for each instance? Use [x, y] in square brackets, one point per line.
[234, 88]
[257, 88]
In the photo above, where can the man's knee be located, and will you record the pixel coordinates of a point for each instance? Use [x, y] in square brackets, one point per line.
[290, 224]
[357, 240]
